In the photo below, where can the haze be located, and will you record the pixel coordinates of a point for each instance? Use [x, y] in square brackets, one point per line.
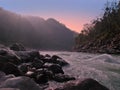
[73, 13]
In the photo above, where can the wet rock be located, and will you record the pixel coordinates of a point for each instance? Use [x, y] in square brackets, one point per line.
[31, 74]
[56, 69]
[9, 56]
[9, 89]
[47, 55]
[46, 72]
[24, 67]
[10, 68]
[2, 74]
[37, 63]
[58, 60]
[83, 84]
[22, 83]
[63, 78]
[34, 54]
[41, 78]
[5, 77]
[17, 47]
[28, 56]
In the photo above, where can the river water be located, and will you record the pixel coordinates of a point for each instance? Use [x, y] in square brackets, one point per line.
[104, 68]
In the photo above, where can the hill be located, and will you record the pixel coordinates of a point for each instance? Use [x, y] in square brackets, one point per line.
[34, 32]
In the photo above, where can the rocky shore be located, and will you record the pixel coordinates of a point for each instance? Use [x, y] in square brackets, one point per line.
[22, 69]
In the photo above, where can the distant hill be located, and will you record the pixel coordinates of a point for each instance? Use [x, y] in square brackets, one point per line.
[34, 32]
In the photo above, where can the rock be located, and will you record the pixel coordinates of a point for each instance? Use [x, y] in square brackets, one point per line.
[46, 72]
[17, 47]
[54, 57]
[2, 74]
[58, 60]
[41, 78]
[34, 54]
[37, 63]
[47, 55]
[10, 68]
[84, 84]
[9, 56]
[3, 52]
[24, 67]
[63, 78]
[9, 89]
[56, 69]
[5, 77]
[22, 83]
[28, 56]
[31, 74]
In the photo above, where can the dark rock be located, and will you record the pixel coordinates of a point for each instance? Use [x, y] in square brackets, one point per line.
[46, 72]
[9, 56]
[63, 78]
[22, 83]
[24, 67]
[9, 89]
[10, 68]
[34, 54]
[58, 60]
[5, 77]
[54, 57]
[37, 63]
[84, 84]
[47, 55]
[28, 56]
[56, 69]
[41, 78]
[17, 47]
[3, 52]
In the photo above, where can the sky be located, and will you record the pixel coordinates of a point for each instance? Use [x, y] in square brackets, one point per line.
[73, 13]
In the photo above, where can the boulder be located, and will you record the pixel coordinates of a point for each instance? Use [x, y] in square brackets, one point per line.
[24, 67]
[83, 84]
[37, 63]
[58, 60]
[22, 83]
[7, 55]
[5, 77]
[55, 68]
[63, 78]
[9, 89]
[28, 56]
[41, 78]
[10, 68]
[17, 47]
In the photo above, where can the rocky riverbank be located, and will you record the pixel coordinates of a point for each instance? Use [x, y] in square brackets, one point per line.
[109, 46]
[22, 69]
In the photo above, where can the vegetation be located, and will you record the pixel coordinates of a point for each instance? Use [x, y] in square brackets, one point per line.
[103, 34]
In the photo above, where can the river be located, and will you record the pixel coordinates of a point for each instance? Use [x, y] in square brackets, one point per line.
[104, 68]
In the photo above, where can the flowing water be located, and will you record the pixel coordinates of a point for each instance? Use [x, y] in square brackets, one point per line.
[104, 68]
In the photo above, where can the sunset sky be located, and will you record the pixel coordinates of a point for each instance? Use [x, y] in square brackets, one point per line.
[73, 13]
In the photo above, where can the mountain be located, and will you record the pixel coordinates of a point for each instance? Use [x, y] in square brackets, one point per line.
[34, 31]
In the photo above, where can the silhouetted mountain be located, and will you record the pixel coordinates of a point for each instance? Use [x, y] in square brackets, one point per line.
[34, 31]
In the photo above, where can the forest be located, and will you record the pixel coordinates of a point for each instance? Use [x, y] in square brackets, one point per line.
[102, 34]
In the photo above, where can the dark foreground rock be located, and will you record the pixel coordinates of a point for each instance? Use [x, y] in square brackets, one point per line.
[17, 47]
[22, 83]
[85, 84]
[9, 89]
